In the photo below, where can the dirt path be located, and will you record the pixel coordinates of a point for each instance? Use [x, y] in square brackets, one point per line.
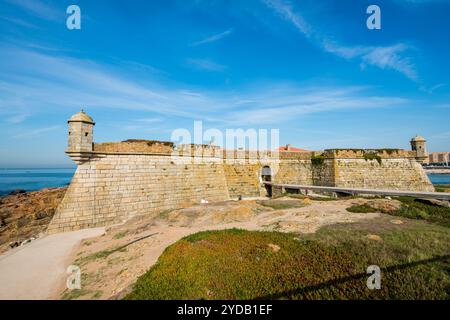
[37, 270]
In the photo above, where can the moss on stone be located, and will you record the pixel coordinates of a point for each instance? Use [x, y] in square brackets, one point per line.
[372, 156]
[317, 160]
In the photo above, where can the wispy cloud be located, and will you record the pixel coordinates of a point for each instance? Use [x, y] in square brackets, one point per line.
[384, 57]
[149, 120]
[17, 118]
[36, 132]
[205, 64]
[19, 22]
[287, 104]
[213, 38]
[39, 8]
[42, 82]
[286, 10]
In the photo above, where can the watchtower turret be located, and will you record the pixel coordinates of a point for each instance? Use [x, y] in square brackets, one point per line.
[81, 134]
[418, 145]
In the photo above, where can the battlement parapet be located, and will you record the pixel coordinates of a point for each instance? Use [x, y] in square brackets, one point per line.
[368, 154]
[134, 146]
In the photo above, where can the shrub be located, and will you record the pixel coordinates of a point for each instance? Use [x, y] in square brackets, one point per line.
[364, 208]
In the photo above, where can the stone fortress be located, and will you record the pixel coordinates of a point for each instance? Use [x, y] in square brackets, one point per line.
[116, 181]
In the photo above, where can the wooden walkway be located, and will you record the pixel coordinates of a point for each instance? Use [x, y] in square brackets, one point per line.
[416, 194]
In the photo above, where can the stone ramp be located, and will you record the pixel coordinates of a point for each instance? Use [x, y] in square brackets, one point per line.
[37, 270]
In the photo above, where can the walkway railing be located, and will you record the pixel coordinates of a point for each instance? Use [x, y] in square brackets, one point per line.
[354, 191]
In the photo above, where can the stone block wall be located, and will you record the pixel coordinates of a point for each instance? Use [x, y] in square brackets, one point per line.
[111, 188]
[242, 179]
[324, 174]
[394, 174]
[134, 146]
[294, 172]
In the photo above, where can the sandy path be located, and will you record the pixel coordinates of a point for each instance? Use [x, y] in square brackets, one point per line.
[36, 270]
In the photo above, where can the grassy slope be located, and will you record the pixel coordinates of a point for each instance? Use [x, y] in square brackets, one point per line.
[331, 264]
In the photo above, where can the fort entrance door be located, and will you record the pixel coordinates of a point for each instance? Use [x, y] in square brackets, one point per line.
[266, 176]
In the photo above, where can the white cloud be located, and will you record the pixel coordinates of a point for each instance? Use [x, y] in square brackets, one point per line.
[384, 57]
[213, 38]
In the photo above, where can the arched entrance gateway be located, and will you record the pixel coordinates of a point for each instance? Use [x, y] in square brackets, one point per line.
[266, 176]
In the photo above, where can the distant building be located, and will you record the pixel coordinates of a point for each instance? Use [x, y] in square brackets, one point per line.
[290, 148]
[439, 158]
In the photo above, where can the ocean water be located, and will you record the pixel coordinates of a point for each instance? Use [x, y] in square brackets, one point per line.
[33, 179]
[36, 179]
[439, 178]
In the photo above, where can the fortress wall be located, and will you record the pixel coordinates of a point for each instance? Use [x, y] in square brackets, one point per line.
[113, 187]
[395, 174]
[134, 146]
[324, 174]
[294, 172]
[242, 179]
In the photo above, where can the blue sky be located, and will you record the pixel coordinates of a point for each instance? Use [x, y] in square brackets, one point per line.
[144, 68]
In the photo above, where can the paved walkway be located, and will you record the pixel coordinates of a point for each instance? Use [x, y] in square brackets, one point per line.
[38, 269]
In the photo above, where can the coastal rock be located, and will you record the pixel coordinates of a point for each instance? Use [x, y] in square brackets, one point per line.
[17, 191]
[25, 215]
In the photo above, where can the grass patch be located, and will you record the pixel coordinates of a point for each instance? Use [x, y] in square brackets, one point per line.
[442, 187]
[414, 209]
[99, 255]
[74, 294]
[363, 208]
[280, 204]
[331, 264]
[164, 215]
[77, 293]
[120, 235]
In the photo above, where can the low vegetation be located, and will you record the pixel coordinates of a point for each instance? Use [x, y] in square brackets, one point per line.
[362, 208]
[442, 188]
[419, 209]
[372, 156]
[281, 204]
[317, 160]
[413, 209]
[330, 264]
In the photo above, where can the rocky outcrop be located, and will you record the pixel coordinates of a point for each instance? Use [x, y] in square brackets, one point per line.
[25, 215]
